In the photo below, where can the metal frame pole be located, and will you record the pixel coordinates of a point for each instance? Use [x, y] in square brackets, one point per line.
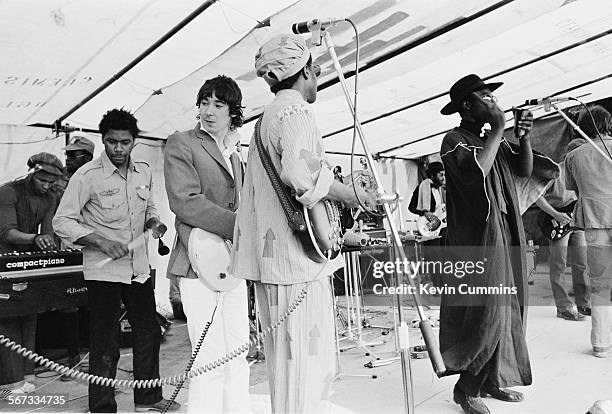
[428, 336]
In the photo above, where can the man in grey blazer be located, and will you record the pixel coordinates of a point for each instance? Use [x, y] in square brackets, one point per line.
[203, 176]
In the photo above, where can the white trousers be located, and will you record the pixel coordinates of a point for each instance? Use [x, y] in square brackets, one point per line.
[224, 389]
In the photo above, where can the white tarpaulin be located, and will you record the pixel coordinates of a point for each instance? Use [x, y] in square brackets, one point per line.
[56, 53]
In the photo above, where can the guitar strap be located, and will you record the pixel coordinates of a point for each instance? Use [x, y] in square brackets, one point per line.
[291, 207]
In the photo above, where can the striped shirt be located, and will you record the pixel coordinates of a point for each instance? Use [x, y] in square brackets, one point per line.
[265, 248]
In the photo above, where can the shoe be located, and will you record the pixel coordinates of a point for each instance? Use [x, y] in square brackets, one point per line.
[470, 405]
[584, 310]
[570, 315]
[158, 406]
[502, 394]
[602, 351]
[25, 388]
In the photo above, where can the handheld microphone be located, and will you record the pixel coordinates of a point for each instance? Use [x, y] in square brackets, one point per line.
[314, 25]
[162, 249]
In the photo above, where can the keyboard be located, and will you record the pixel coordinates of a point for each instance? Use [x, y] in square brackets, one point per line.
[35, 282]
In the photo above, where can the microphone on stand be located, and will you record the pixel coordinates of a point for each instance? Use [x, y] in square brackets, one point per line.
[315, 25]
[547, 100]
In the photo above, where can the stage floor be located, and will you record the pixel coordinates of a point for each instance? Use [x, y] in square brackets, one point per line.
[567, 378]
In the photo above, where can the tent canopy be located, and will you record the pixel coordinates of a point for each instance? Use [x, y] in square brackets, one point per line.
[57, 53]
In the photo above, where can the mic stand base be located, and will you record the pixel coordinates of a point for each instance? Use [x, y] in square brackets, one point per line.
[339, 374]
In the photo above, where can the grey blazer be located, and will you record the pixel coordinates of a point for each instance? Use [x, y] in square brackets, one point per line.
[201, 191]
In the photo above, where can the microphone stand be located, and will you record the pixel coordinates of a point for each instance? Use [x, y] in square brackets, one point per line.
[580, 131]
[403, 333]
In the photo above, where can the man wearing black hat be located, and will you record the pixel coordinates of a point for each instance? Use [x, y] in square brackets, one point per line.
[26, 211]
[490, 182]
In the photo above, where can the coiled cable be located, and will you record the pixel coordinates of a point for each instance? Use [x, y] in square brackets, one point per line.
[157, 382]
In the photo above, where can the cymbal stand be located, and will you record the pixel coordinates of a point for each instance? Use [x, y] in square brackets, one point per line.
[339, 374]
[352, 276]
[397, 351]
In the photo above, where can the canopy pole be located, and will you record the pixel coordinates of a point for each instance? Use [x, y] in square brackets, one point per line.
[138, 59]
[561, 92]
[439, 31]
[426, 331]
[494, 75]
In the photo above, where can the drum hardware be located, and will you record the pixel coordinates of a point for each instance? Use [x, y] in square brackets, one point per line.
[346, 321]
[354, 295]
[255, 325]
[324, 36]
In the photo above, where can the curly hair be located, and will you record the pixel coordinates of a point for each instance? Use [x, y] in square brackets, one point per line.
[226, 90]
[119, 120]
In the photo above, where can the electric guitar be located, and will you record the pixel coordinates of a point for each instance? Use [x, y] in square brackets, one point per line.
[551, 228]
[431, 227]
[209, 255]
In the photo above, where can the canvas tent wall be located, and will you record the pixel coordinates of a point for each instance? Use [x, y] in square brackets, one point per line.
[411, 53]
[57, 53]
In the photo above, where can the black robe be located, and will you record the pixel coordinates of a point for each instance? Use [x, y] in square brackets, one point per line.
[485, 332]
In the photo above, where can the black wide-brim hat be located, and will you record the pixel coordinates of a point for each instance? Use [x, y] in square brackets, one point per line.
[462, 88]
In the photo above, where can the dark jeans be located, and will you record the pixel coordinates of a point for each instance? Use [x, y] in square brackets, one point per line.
[21, 329]
[70, 326]
[104, 309]
[574, 246]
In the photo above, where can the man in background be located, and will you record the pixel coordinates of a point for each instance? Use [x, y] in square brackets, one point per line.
[430, 193]
[588, 173]
[429, 200]
[558, 202]
[79, 151]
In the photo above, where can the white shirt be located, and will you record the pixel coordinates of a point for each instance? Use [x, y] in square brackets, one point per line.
[437, 196]
[227, 146]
